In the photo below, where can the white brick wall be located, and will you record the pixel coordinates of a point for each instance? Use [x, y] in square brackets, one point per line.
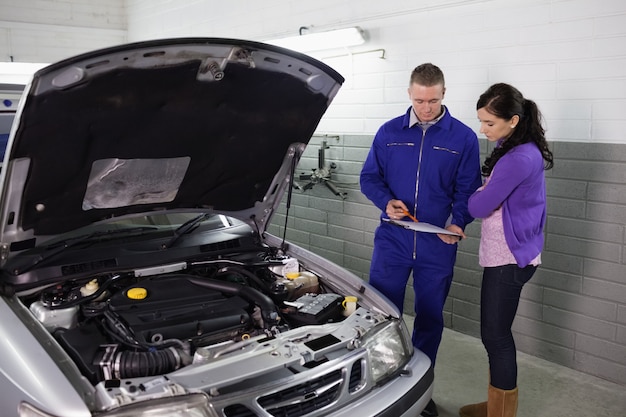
[566, 55]
[47, 31]
[559, 53]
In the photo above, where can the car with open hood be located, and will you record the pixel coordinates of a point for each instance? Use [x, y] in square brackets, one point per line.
[137, 276]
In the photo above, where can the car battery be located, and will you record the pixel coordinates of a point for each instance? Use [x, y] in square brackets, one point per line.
[317, 309]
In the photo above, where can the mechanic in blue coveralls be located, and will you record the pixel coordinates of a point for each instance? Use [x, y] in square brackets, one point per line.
[425, 163]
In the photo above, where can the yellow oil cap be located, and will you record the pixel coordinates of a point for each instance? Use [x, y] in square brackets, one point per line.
[137, 293]
[292, 275]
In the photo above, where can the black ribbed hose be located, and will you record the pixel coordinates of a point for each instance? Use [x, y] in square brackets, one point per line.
[138, 364]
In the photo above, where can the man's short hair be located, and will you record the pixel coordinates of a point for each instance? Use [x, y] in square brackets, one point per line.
[427, 75]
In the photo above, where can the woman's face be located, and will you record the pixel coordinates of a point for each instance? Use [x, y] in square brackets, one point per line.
[494, 127]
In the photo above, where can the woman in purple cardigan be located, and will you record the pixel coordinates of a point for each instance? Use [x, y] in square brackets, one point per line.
[512, 206]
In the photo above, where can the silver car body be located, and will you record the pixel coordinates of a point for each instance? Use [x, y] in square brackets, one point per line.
[139, 180]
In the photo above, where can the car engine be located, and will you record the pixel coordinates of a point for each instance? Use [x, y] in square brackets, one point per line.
[131, 325]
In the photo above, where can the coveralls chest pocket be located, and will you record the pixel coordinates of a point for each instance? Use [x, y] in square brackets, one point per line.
[444, 162]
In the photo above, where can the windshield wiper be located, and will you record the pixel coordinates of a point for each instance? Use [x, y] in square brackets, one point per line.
[185, 228]
[54, 249]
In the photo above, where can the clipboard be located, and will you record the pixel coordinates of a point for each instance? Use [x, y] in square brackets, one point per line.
[420, 227]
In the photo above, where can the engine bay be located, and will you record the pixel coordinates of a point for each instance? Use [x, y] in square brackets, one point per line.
[151, 322]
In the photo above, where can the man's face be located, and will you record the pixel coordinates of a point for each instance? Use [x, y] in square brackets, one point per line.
[426, 101]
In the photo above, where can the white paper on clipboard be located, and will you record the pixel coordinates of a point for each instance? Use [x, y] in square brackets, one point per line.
[420, 227]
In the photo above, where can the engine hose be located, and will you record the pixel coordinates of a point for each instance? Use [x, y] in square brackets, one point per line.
[139, 364]
[225, 270]
[267, 306]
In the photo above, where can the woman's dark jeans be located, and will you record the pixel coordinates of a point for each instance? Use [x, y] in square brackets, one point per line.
[499, 298]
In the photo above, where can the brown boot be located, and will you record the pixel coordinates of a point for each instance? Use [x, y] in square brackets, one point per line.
[501, 403]
[474, 410]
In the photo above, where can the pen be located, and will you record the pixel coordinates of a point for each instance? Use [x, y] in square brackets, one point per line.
[410, 216]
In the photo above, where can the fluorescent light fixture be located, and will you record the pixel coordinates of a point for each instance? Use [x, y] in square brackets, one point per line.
[317, 41]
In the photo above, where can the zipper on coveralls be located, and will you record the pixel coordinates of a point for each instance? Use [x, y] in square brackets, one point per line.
[417, 183]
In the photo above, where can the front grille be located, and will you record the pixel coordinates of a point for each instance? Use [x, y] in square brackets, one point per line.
[304, 398]
[356, 375]
[296, 401]
[337, 386]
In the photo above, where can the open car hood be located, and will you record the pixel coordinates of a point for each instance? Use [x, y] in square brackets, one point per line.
[198, 123]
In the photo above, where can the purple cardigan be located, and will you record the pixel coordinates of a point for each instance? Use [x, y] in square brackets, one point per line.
[517, 184]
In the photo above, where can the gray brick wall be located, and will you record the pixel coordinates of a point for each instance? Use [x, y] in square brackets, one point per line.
[573, 311]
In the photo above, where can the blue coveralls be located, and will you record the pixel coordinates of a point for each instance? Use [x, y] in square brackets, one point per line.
[433, 172]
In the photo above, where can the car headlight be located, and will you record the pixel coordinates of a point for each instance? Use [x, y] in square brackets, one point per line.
[389, 349]
[195, 405]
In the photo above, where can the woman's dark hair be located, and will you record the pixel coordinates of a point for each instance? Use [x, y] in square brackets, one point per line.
[505, 101]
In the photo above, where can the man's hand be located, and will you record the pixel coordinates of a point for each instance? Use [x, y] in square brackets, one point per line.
[451, 239]
[395, 209]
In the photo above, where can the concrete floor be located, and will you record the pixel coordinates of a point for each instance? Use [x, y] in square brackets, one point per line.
[545, 389]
